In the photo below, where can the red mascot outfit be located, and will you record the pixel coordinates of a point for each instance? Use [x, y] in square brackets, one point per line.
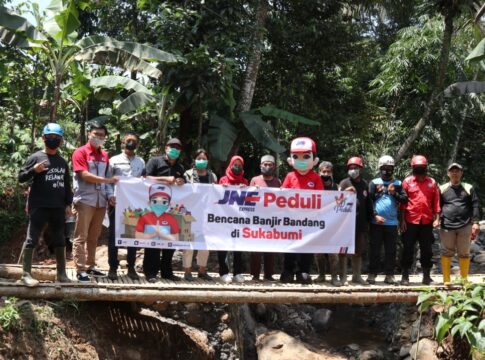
[303, 159]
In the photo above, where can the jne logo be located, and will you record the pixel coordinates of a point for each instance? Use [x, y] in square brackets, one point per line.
[243, 198]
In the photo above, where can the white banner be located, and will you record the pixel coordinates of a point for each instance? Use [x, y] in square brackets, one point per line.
[215, 217]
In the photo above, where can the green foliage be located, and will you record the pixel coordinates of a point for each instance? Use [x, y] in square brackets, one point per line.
[463, 314]
[9, 314]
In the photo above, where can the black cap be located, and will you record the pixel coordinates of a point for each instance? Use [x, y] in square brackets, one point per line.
[174, 141]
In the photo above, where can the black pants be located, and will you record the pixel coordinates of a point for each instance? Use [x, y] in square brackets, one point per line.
[379, 235]
[113, 249]
[422, 234]
[224, 269]
[303, 262]
[38, 217]
[152, 262]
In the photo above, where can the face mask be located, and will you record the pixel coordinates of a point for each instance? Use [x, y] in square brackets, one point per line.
[387, 174]
[201, 164]
[236, 170]
[354, 173]
[158, 209]
[326, 178]
[419, 171]
[173, 153]
[301, 164]
[268, 171]
[52, 143]
[131, 145]
[96, 142]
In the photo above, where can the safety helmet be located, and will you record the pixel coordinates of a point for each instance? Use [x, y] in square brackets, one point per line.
[303, 144]
[386, 160]
[53, 128]
[419, 160]
[355, 161]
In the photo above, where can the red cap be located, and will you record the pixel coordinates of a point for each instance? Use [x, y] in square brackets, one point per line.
[355, 161]
[303, 144]
[419, 160]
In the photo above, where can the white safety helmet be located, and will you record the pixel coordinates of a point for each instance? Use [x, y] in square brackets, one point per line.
[386, 160]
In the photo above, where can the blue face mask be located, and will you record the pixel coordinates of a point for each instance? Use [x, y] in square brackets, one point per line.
[201, 164]
[158, 209]
[173, 153]
[300, 164]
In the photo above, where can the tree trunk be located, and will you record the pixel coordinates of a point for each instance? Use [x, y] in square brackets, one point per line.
[437, 90]
[249, 83]
[459, 131]
[56, 98]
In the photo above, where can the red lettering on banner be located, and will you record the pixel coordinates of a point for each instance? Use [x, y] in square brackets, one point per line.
[297, 201]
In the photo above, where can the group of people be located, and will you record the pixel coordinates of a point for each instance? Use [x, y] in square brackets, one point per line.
[384, 207]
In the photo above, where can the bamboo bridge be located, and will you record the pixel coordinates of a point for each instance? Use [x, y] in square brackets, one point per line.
[125, 289]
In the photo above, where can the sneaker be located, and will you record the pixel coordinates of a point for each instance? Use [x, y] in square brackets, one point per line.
[286, 277]
[132, 273]
[269, 278]
[389, 279]
[82, 276]
[226, 278]
[239, 278]
[320, 279]
[255, 278]
[371, 279]
[188, 276]
[112, 274]
[152, 279]
[96, 273]
[303, 278]
[204, 276]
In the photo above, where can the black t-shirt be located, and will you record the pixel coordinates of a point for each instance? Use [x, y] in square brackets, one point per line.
[364, 209]
[458, 207]
[159, 166]
[50, 188]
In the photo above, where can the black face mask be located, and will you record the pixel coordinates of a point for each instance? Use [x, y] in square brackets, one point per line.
[52, 143]
[387, 174]
[268, 171]
[236, 170]
[419, 171]
[326, 178]
[131, 145]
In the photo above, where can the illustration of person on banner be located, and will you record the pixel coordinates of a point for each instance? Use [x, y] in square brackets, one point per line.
[303, 159]
[157, 224]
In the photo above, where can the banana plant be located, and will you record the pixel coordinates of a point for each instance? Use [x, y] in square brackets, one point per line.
[56, 38]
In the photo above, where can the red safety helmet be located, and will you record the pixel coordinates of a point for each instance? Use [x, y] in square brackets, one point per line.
[419, 160]
[355, 161]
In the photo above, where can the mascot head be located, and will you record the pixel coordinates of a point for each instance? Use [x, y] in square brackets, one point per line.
[303, 155]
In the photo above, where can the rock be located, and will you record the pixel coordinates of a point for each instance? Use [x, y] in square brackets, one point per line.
[480, 258]
[426, 330]
[277, 345]
[160, 305]
[227, 336]
[475, 248]
[372, 355]
[194, 318]
[321, 319]
[353, 347]
[225, 318]
[404, 351]
[260, 309]
[132, 354]
[426, 350]
[123, 264]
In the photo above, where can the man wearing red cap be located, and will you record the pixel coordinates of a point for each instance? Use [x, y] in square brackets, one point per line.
[364, 214]
[419, 216]
[303, 151]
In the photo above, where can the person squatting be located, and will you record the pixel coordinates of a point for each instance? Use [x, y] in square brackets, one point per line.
[386, 206]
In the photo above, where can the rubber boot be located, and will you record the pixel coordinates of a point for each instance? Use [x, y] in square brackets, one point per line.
[426, 276]
[333, 261]
[321, 269]
[343, 270]
[464, 268]
[27, 278]
[61, 275]
[405, 277]
[356, 271]
[446, 269]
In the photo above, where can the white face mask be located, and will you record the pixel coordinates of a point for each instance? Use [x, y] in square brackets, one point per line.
[354, 173]
[96, 142]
